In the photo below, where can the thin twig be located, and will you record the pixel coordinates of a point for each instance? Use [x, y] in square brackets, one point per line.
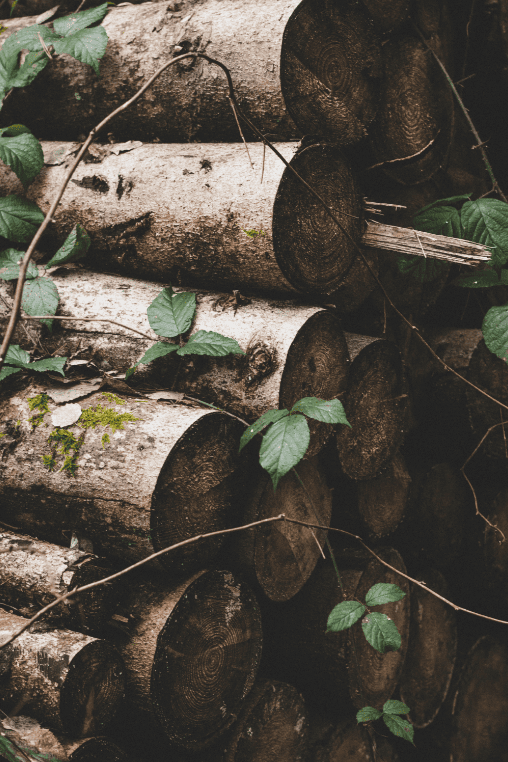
[241, 133]
[405, 158]
[87, 320]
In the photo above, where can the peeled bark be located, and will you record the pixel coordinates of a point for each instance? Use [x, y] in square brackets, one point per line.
[70, 681]
[490, 373]
[382, 501]
[412, 133]
[191, 654]
[169, 475]
[292, 351]
[387, 14]
[189, 101]
[330, 71]
[33, 573]
[351, 741]
[272, 726]
[282, 556]
[431, 653]
[375, 405]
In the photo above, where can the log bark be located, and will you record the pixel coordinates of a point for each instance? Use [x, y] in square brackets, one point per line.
[351, 741]
[171, 474]
[282, 556]
[191, 654]
[387, 14]
[490, 373]
[495, 554]
[72, 682]
[382, 501]
[432, 651]
[375, 405]
[292, 351]
[33, 573]
[272, 725]
[411, 136]
[331, 70]
[190, 100]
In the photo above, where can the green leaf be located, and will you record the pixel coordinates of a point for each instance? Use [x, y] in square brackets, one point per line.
[395, 707]
[17, 356]
[482, 279]
[10, 261]
[486, 221]
[15, 129]
[29, 38]
[76, 21]
[171, 314]
[33, 64]
[399, 727]
[383, 593]
[440, 220]
[424, 269]
[344, 615]
[23, 154]
[271, 416]
[495, 331]
[212, 344]
[8, 371]
[368, 714]
[329, 411]
[283, 446]
[55, 364]
[160, 349]
[40, 297]
[381, 632]
[75, 247]
[450, 201]
[87, 46]
[19, 218]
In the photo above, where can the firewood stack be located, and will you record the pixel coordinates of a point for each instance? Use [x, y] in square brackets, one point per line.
[217, 651]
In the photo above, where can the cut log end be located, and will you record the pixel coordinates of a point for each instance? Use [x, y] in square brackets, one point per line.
[351, 742]
[382, 501]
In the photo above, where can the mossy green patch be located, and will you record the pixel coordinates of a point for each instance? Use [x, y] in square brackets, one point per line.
[104, 416]
[63, 442]
[40, 403]
[113, 398]
[105, 440]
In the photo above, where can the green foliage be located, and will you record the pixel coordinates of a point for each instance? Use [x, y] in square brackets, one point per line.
[160, 349]
[13, 751]
[271, 416]
[482, 279]
[391, 717]
[486, 221]
[283, 446]
[424, 269]
[18, 359]
[328, 411]
[171, 314]
[19, 218]
[368, 714]
[75, 247]
[75, 22]
[10, 261]
[344, 615]
[495, 331]
[381, 632]
[87, 46]
[382, 593]
[40, 297]
[211, 344]
[23, 153]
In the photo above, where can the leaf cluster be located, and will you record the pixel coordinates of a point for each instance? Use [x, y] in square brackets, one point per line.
[391, 717]
[18, 359]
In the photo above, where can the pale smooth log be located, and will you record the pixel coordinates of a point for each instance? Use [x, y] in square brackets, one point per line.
[190, 100]
[272, 726]
[33, 573]
[376, 407]
[170, 475]
[72, 682]
[383, 500]
[191, 653]
[432, 650]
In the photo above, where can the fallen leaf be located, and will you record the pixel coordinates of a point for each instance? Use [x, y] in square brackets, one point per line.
[66, 415]
[178, 396]
[130, 145]
[60, 395]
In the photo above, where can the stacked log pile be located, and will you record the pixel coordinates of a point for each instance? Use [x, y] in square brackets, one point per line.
[217, 650]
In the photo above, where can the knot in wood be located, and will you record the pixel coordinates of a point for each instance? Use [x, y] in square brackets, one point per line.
[260, 362]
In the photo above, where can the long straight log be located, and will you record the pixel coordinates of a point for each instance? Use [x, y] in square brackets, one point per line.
[191, 654]
[70, 681]
[291, 351]
[376, 407]
[189, 101]
[170, 473]
[33, 573]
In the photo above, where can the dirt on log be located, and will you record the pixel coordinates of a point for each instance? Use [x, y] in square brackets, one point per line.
[33, 572]
[291, 350]
[169, 473]
[190, 100]
[191, 653]
[70, 681]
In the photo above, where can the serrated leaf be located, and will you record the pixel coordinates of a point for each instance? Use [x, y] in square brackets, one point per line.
[160, 349]
[329, 411]
[368, 714]
[212, 344]
[482, 279]
[383, 593]
[495, 331]
[87, 46]
[8, 371]
[33, 64]
[55, 364]
[15, 129]
[75, 247]
[23, 153]
[486, 221]
[271, 416]
[395, 707]
[344, 615]
[40, 297]
[10, 261]
[399, 727]
[450, 201]
[74, 22]
[19, 218]
[440, 220]
[381, 632]
[171, 314]
[424, 269]
[29, 38]
[283, 446]
[17, 356]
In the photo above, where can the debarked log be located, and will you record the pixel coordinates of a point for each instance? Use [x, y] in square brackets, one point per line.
[191, 653]
[33, 573]
[376, 407]
[170, 473]
[190, 100]
[291, 350]
[70, 681]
